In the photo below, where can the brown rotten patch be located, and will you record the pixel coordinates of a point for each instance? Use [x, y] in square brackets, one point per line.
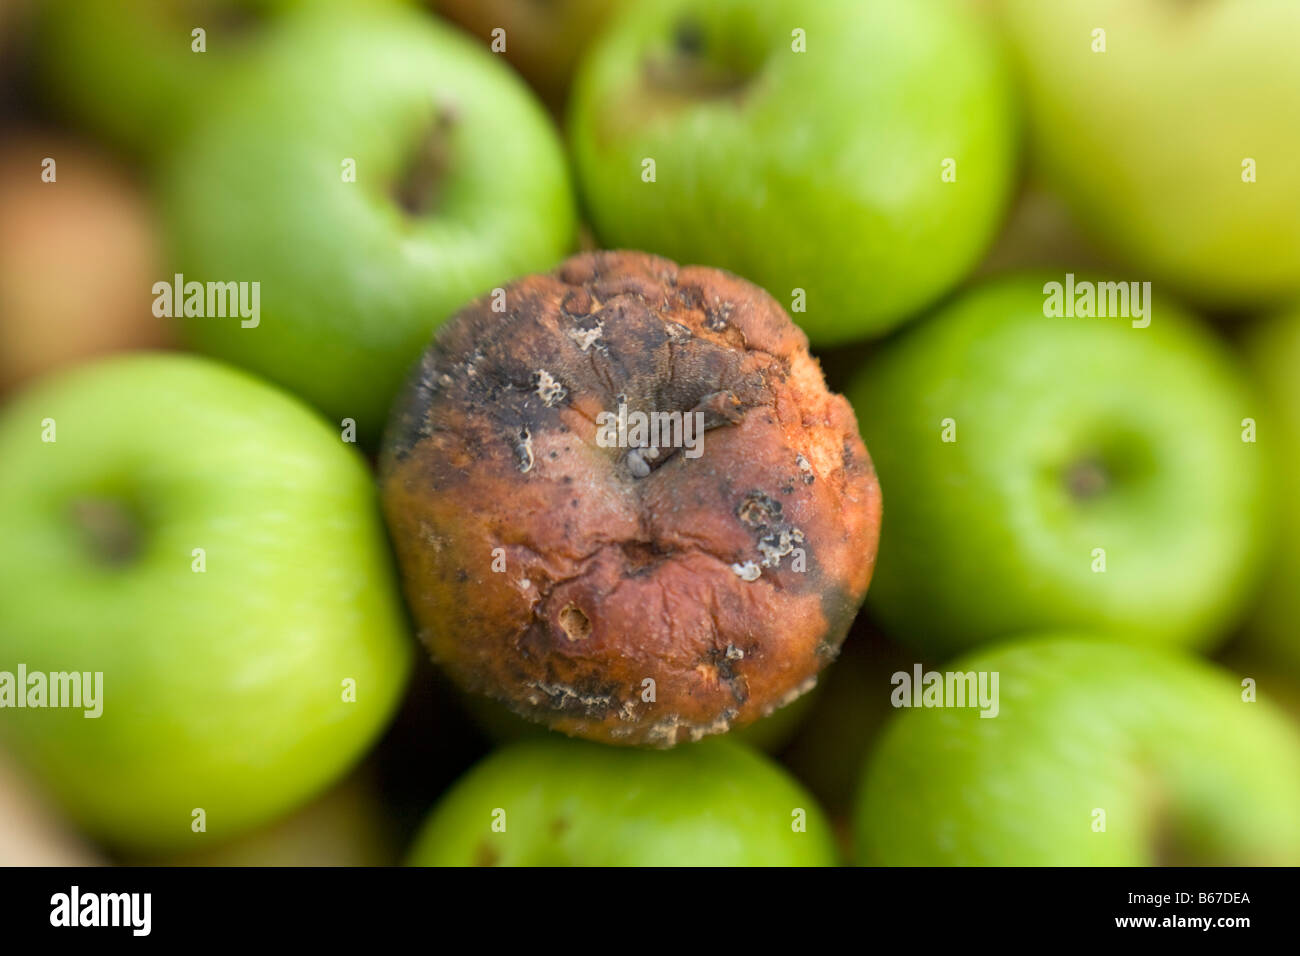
[629, 594]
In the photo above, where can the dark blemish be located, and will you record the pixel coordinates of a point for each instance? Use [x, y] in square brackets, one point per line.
[524, 449]
[486, 855]
[462, 575]
[758, 510]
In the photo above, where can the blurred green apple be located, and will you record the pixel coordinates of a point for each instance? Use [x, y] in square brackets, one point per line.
[854, 157]
[375, 171]
[1047, 472]
[1100, 754]
[1177, 144]
[212, 550]
[556, 802]
[542, 40]
[134, 71]
[1273, 348]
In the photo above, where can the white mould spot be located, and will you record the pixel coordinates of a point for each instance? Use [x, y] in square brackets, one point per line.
[637, 464]
[776, 546]
[806, 467]
[734, 653]
[749, 571]
[550, 391]
[586, 338]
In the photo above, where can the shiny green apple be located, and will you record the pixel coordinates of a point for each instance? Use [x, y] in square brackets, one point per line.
[853, 157]
[555, 802]
[1100, 755]
[205, 554]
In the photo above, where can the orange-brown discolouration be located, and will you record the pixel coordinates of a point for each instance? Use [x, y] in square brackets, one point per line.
[727, 579]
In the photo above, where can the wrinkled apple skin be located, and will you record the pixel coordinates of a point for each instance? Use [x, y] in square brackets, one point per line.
[651, 609]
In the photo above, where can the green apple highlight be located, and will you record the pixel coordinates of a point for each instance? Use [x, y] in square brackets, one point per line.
[1170, 127]
[213, 549]
[373, 172]
[555, 802]
[1100, 755]
[859, 151]
[1045, 472]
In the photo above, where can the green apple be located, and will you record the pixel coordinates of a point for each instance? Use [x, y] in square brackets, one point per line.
[544, 41]
[1273, 348]
[1046, 472]
[207, 554]
[1176, 145]
[555, 802]
[460, 185]
[1100, 754]
[134, 71]
[78, 254]
[854, 158]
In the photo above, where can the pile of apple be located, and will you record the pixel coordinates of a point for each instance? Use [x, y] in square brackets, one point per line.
[1101, 512]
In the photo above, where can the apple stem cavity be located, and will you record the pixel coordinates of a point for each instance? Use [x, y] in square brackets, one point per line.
[1087, 478]
[687, 70]
[420, 188]
[110, 529]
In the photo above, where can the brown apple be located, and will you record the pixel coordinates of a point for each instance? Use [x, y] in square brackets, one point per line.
[78, 258]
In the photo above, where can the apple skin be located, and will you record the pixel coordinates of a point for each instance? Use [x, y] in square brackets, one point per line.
[222, 690]
[768, 734]
[77, 259]
[1186, 772]
[126, 70]
[573, 803]
[1147, 139]
[544, 41]
[987, 536]
[352, 285]
[822, 171]
[1273, 352]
